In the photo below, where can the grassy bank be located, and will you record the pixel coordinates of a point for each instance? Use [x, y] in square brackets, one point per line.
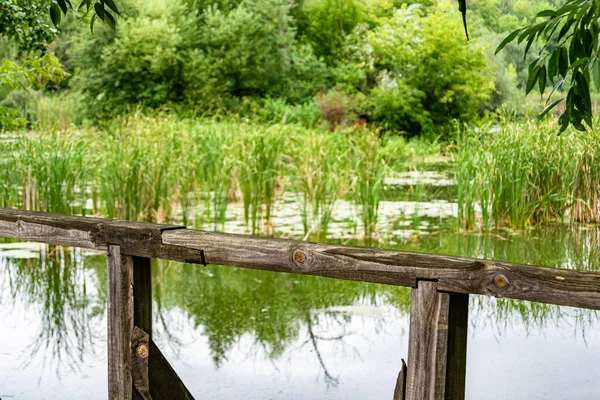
[525, 174]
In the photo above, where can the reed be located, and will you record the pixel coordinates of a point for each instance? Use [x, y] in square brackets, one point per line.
[527, 174]
[368, 168]
[320, 178]
[259, 165]
[163, 168]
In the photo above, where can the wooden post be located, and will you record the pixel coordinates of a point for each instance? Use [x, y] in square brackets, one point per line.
[136, 367]
[120, 323]
[437, 344]
[129, 325]
[142, 327]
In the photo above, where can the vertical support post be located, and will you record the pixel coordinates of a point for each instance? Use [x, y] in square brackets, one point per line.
[120, 323]
[437, 344]
[129, 325]
[142, 327]
[456, 364]
[142, 294]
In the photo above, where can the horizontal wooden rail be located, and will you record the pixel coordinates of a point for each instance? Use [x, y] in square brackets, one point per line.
[452, 274]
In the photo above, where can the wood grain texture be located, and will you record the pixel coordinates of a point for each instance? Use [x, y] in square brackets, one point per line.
[437, 352]
[400, 389]
[453, 274]
[120, 323]
[165, 384]
[140, 345]
[426, 350]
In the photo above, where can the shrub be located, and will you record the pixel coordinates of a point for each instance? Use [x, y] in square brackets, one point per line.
[339, 108]
[141, 63]
[244, 52]
[428, 74]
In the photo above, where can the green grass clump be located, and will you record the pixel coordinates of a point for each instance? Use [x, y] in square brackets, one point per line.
[367, 164]
[526, 174]
[321, 178]
[260, 163]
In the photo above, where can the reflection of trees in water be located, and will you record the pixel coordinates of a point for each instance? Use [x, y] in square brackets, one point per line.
[69, 298]
[577, 247]
[277, 310]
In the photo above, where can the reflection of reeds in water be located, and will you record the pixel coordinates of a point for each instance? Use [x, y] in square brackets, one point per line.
[69, 298]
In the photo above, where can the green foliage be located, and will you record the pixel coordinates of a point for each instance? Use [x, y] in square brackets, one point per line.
[32, 72]
[27, 23]
[325, 24]
[569, 57]
[250, 51]
[406, 51]
[525, 174]
[142, 63]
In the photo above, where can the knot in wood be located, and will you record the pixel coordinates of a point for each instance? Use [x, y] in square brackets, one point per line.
[500, 281]
[299, 256]
[301, 260]
[142, 350]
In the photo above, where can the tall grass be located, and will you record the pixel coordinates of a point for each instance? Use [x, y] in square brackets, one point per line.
[526, 174]
[368, 166]
[320, 168]
[259, 163]
[163, 168]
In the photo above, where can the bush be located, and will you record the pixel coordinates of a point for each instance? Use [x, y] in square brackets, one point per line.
[339, 108]
[250, 51]
[141, 63]
[428, 74]
[325, 23]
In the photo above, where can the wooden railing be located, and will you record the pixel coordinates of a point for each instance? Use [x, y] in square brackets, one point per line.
[439, 304]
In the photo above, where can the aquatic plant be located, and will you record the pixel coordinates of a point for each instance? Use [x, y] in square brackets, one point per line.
[526, 174]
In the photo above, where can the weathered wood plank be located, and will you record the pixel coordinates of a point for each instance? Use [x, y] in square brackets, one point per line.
[453, 274]
[120, 323]
[400, 389]
[437, 344]
[140, 345]
[426, 350]
[165, 384]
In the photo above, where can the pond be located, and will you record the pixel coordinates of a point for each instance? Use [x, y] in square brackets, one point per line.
[230, 332]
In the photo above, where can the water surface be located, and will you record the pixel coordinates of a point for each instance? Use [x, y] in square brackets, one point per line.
[249, 334]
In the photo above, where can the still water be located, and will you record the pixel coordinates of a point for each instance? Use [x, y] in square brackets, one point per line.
[234, 333]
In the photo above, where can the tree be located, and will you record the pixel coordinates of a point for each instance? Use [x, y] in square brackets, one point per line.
[569, 58]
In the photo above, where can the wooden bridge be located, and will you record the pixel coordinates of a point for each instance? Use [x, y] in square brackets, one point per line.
[439, 305]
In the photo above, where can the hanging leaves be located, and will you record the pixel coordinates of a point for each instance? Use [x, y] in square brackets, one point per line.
[102, 9]
[569, 58]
